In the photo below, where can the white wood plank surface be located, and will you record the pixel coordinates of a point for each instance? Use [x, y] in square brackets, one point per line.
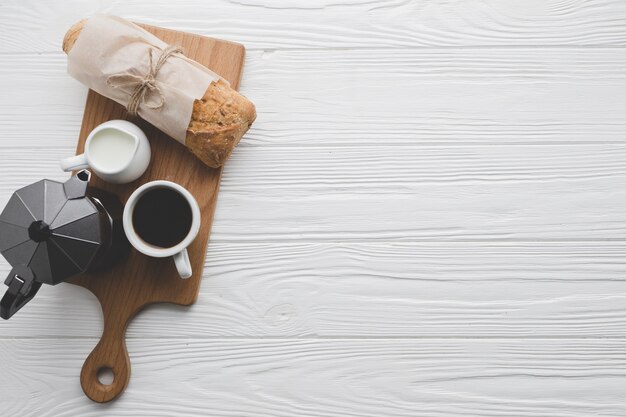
[480, 197]
[373, 289]
[427, 218]
[39, 26]
[356, 377]
[425, 96]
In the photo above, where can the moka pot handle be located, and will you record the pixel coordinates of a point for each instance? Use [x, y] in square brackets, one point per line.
[22, 289]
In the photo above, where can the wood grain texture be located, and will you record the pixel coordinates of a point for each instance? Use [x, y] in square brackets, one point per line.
[38, 26]
[362, 170]
[387, 289]
[324, 98]
[138, 280]
[516, 193]
[298, 378]
[425, 220]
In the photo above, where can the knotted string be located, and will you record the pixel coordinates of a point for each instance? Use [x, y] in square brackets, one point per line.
[144, 85]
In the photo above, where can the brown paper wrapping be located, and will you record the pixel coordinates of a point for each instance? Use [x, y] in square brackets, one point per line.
[109, 45]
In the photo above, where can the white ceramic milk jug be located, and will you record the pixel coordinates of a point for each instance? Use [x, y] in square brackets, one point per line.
[117, 151]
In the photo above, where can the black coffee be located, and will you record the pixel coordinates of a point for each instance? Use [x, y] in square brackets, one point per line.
[162, 217]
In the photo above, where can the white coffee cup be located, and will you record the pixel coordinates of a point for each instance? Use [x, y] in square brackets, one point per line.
[117, 151]
[178, 251]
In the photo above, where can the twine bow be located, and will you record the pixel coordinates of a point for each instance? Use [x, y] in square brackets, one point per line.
[143, 86]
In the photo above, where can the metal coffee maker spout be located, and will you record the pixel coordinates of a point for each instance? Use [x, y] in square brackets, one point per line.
[51, 231]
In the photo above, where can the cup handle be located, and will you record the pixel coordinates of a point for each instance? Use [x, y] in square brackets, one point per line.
[183, 265]
[74, 162]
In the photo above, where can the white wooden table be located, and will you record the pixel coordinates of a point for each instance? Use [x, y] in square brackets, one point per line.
[427, 219]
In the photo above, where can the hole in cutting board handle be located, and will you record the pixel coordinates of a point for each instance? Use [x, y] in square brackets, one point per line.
[106, 371]
[105, 375]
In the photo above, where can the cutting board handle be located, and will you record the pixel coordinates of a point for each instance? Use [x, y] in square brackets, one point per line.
[109, 354]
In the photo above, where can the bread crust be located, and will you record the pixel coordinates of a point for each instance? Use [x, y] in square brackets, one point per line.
[218, 121]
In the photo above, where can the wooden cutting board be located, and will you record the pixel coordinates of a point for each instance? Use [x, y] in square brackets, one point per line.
[140, 280]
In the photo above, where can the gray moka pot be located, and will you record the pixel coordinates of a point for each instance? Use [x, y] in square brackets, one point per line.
[51, 231]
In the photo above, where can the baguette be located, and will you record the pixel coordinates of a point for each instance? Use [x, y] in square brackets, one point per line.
[218, 121]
